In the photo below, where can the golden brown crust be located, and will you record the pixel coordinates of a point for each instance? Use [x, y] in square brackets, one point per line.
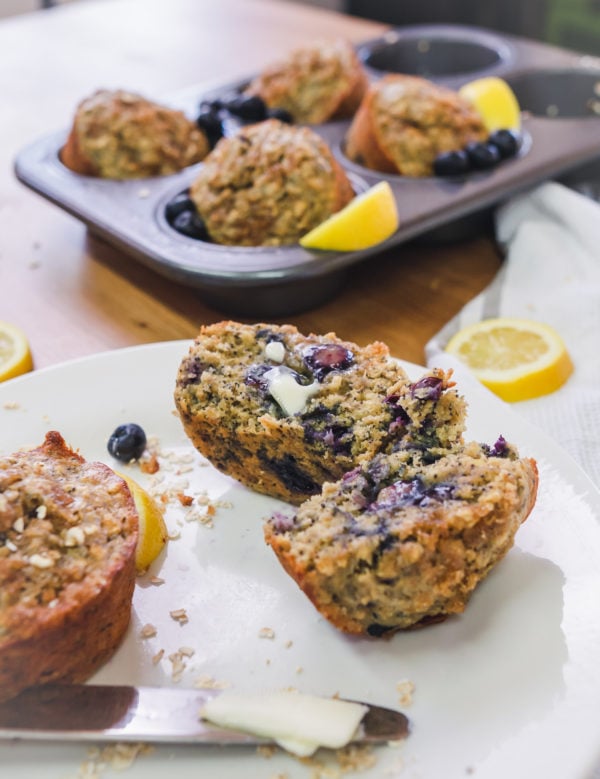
[268, 185]
[404, 122]
[67, 565]
[121, 135]
[315, 83]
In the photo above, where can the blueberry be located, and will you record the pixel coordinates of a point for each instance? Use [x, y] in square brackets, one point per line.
[250, 107]
[214, 106]
[190, 223]
[326, 358]
[281, 114]
[255, 377]
[210, 123]
[451, 163]
[508, 142]
[482, 156]
[127, 442]
[178, 205]
[499, 448]
[427, 388]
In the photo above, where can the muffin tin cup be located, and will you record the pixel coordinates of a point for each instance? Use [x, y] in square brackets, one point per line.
[559, 92]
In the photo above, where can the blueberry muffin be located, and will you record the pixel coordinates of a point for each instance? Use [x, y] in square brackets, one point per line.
[405, 122]
[68, 534]
[405, 538]
[315, 83]
[120, 135]
[283, 413]
[268, 185]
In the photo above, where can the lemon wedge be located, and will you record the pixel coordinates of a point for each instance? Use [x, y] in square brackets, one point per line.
[153, 530]
[366, 221]
[518, 359]
[15, 355]
[495, 101]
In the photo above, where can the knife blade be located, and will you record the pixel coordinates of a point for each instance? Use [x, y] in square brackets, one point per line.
[82, 712]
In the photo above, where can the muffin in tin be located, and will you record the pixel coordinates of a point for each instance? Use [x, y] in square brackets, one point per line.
[315, 83]
[268, 185]
[121, 135]
[404, 539]
[405, 122]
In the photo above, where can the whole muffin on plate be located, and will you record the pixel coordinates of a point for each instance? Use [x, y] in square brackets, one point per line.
[404, 539]
[69, 531]
[121, 135]
[315, 83]
[283, 412]
[405, 122]
[268, 185]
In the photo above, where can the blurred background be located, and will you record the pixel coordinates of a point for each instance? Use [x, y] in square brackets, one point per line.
[574, 24]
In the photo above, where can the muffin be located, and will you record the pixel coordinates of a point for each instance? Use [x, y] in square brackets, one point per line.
[315, 83]
[404, 539]
[68, 534]
[120, 135]
[405, 122]
[283, 412]
[268, 185]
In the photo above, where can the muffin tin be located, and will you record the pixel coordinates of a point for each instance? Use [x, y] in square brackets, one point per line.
[559, 92]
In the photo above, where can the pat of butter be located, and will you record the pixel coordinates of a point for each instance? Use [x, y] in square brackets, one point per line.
[275, 351]
[285, 390]
[298, 722]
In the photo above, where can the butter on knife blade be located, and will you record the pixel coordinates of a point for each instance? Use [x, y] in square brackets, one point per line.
[81, 712]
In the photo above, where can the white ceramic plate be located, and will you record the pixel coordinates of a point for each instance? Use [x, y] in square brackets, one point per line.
[509, 689]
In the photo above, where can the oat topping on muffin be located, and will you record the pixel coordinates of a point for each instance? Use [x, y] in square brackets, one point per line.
[314, 83]
[405, 122]
[268, 185]
[121, 135]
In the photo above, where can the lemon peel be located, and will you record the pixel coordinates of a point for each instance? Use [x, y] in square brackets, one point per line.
[517, 359]
[367, 220]
[15, 354]
[152, 528]
[495, 101]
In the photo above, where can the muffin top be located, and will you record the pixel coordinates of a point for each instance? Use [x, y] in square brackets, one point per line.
[414, 120]
[124, 136]
[314, 83]
[268, 185]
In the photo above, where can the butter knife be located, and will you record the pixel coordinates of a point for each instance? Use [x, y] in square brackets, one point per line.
[82, 712]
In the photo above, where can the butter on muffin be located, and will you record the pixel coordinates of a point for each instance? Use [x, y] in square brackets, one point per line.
[268, 185]
[68, 534]
[314, 83]
[404, 539]
[405, 122]
[283, 412]
[121, 135]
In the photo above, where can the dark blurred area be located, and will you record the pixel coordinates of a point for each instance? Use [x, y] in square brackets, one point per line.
[573, 24]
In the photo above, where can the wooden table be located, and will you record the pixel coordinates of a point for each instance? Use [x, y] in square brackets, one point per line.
[75, 295]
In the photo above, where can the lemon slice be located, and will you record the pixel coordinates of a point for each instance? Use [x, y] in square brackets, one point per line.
[15, 356]
[516, 358]
[495, 101]
[366, 221]
[153, 530]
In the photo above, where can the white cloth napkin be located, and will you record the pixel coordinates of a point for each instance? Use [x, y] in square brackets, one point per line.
[551, 274]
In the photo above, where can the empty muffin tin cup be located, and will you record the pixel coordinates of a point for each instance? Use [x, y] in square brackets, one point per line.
[558, 93]
[438, 53]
